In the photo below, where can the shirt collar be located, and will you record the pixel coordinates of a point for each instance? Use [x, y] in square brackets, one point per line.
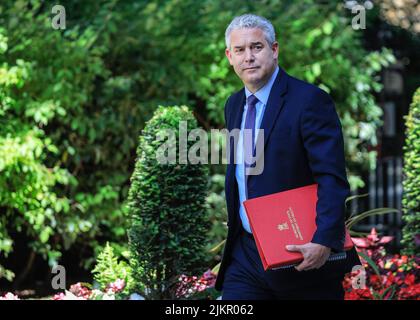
[263, 93]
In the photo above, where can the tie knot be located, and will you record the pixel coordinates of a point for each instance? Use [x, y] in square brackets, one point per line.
[252, 101]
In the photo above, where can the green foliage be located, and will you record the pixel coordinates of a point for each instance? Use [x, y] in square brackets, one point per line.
[28, 202]
[216, 208]
[355, 219]
[167, 208]
[7, 274]
[411, 178]
[108, 269]
[60, 184]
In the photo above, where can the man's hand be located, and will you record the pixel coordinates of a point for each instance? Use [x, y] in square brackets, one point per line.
[314, 255]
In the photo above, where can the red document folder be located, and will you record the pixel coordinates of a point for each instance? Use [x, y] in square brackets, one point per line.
[284, 218]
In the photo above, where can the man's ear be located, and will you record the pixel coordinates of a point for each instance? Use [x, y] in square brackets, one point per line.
[275, 48]
[228, 55]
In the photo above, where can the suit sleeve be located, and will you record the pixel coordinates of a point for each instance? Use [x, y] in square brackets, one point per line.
[323, 141]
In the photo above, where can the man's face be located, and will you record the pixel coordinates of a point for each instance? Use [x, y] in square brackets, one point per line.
[252, 58]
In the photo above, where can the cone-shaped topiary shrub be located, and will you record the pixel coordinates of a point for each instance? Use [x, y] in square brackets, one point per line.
[166, 204]
[411, 179]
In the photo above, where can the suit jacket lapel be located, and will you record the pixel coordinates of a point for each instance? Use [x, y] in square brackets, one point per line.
[237, 107]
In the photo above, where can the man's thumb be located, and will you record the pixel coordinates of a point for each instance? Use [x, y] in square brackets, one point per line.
[293, 247]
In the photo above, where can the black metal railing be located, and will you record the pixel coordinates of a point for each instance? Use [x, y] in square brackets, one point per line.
[384, 188]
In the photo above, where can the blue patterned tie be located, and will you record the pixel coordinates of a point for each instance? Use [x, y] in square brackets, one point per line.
[249, 148]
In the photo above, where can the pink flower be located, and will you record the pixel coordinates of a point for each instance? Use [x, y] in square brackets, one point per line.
[190, 285]
[116, 286]
[9, 296]
[59, 296]
[79, 291]
[372, 241]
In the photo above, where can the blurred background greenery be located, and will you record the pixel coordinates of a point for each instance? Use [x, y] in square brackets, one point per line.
[73, 103]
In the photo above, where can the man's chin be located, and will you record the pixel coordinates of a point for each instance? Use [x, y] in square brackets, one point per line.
[252, 80]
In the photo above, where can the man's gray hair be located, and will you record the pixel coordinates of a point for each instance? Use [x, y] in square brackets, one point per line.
[251, 21]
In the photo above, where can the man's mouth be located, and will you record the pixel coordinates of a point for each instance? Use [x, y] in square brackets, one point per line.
[251, 68]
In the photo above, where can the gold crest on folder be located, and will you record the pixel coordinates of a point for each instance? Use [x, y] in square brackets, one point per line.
[283, 226]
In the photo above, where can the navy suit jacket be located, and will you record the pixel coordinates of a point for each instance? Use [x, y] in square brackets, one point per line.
[303, 144]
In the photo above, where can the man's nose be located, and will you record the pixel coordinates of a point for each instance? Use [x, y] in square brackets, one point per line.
[249, 56]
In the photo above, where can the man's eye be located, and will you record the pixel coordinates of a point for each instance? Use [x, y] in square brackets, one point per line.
[258, 47]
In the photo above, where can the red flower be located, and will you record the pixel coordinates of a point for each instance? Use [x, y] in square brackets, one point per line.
[410, 280]
[358, 294]
[390, 279]
[411, 293]
[376, 281]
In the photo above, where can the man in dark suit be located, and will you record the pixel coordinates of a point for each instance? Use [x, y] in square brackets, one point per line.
[303, 144]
